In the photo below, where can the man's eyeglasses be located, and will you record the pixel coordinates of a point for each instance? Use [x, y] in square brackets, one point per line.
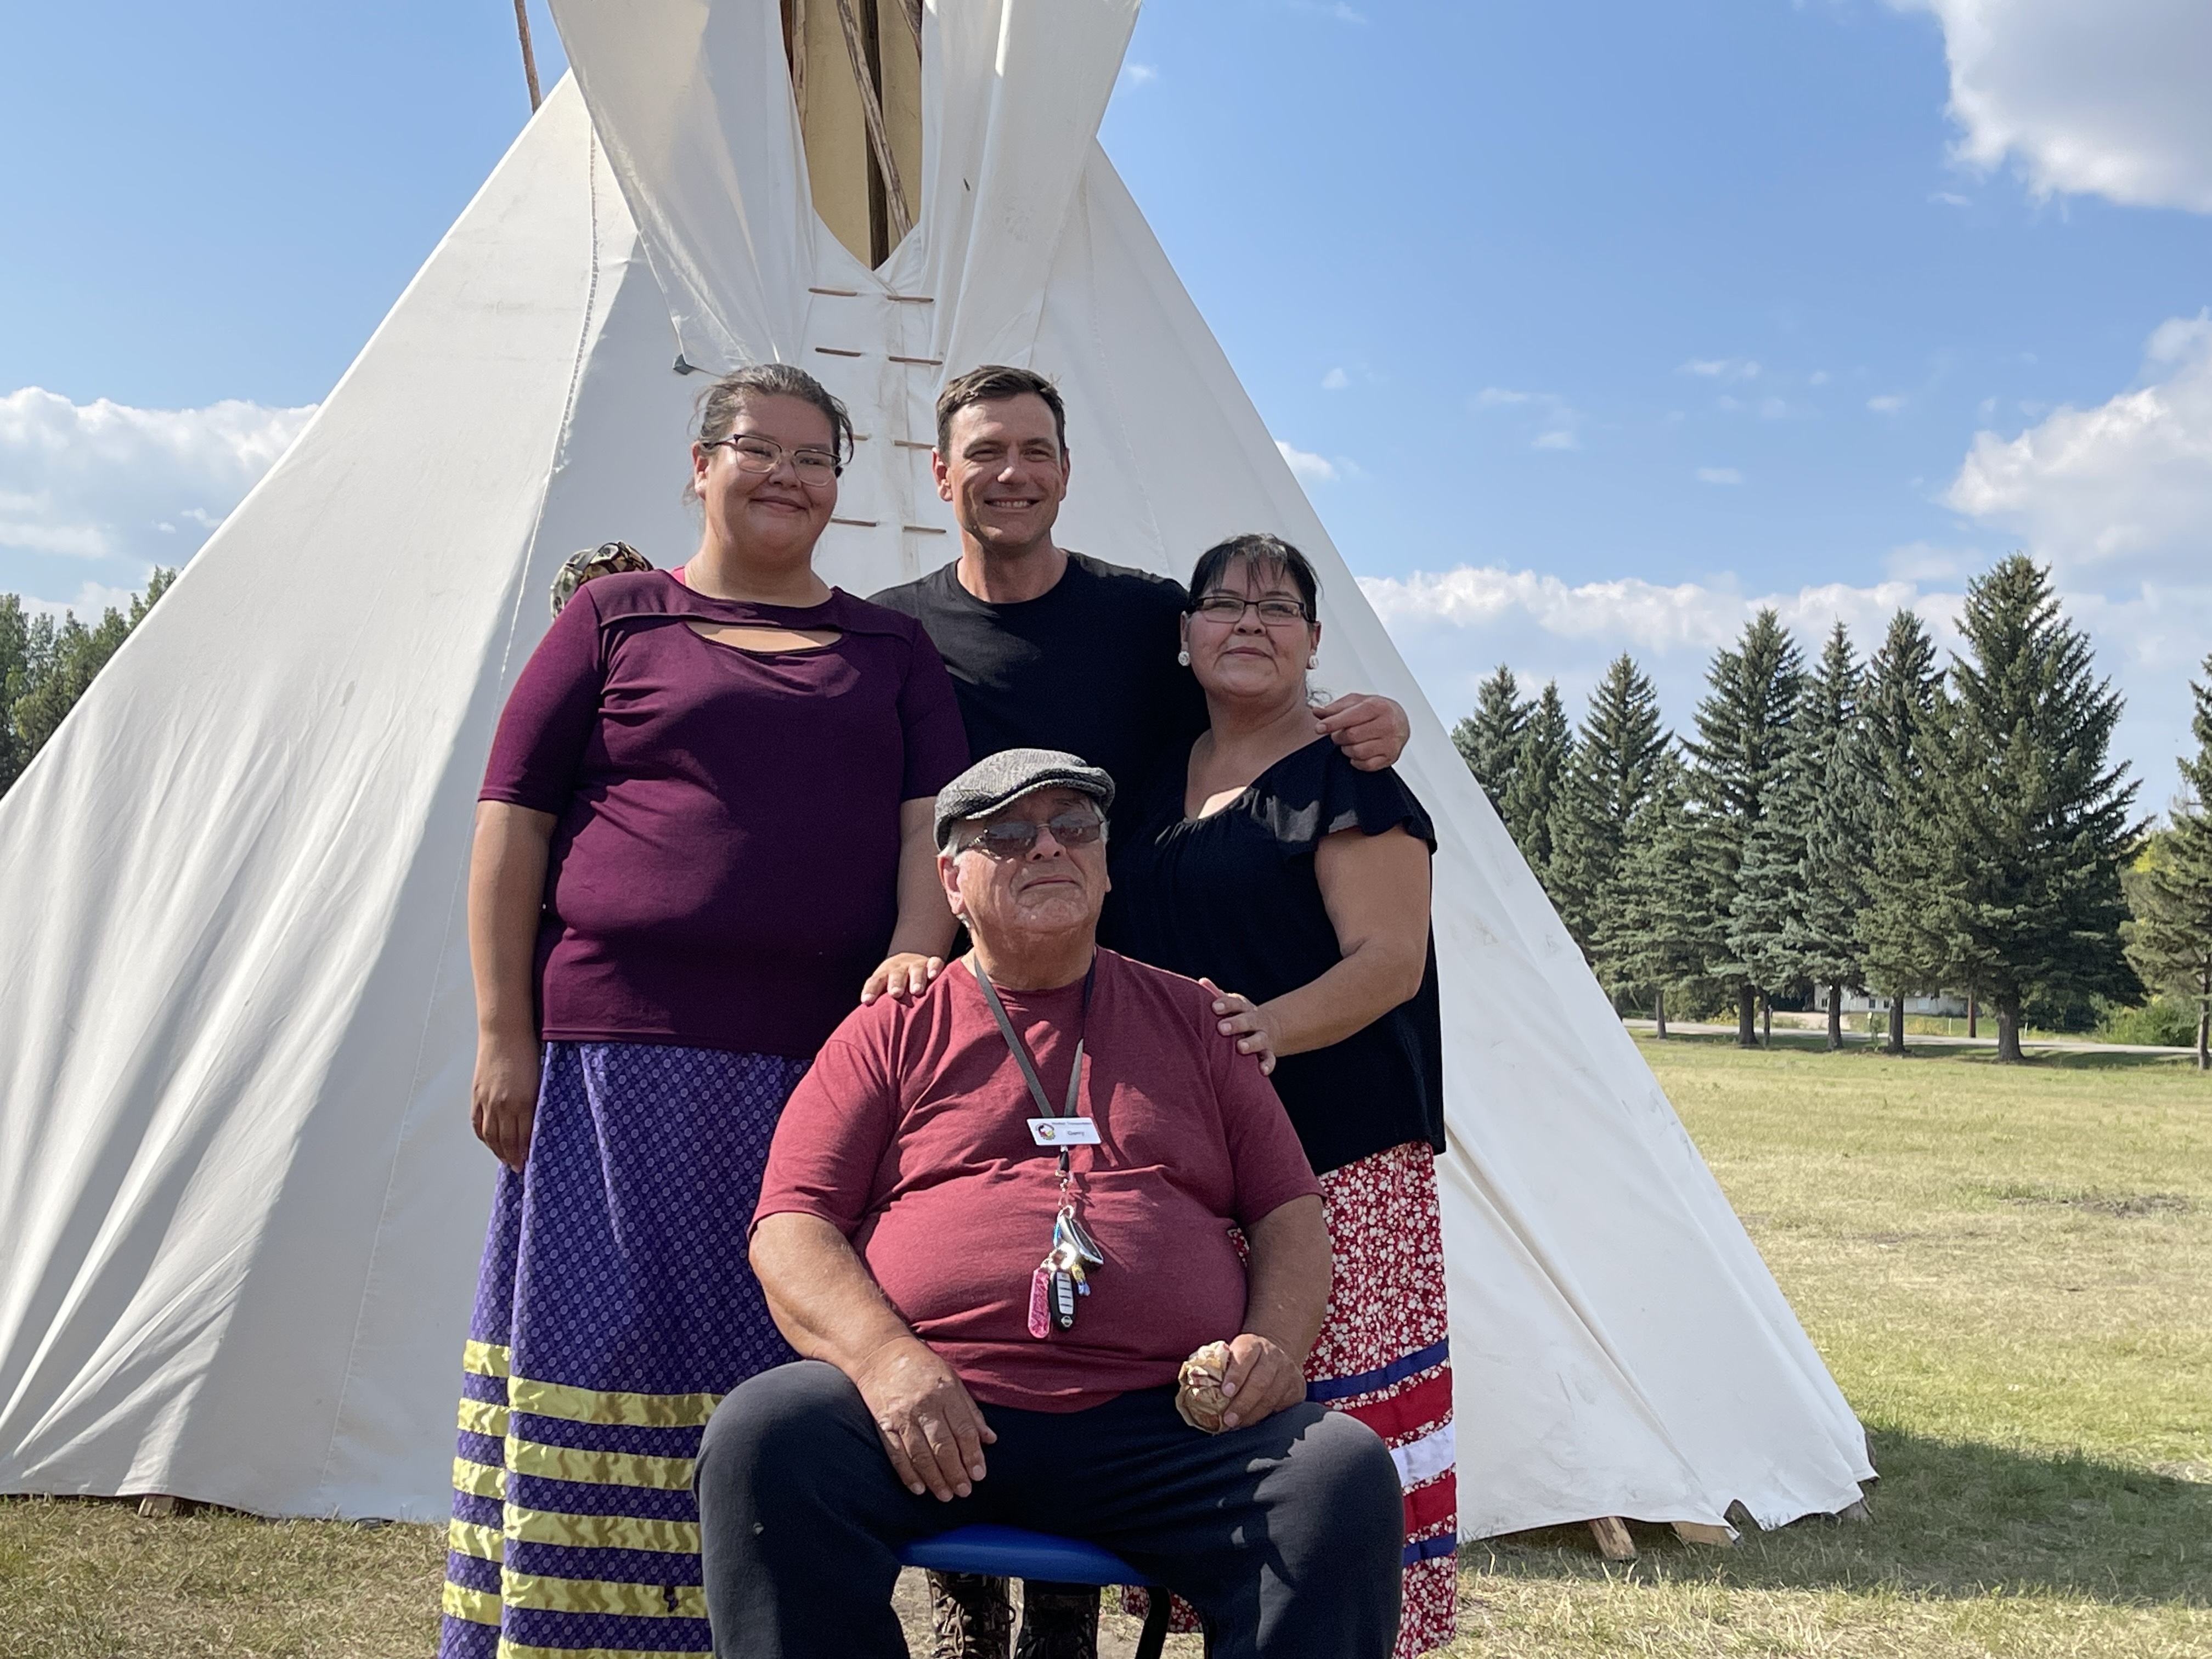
[758, 455]
[1230, 608]
[1016, 838]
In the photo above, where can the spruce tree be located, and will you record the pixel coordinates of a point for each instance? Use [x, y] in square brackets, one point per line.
[1904, 957]
[1616, 756]
[45, 666]
[1489, 739]
[1539, 782]
[1823, 940]
[2170, 890]
[2034, 824]
[1743, 738]
[1663, 929]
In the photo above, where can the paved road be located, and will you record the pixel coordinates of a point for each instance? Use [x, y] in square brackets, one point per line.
[1693, 1027]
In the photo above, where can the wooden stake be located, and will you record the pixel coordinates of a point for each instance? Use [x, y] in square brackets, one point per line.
[1613, 1540]
[529, 58]
[871, 109]
[156, 1506]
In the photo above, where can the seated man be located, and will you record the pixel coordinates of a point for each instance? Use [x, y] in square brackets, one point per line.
[996, 1219]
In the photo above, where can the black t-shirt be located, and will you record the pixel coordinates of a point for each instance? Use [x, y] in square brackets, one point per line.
[1233, 897]
[1088, 666]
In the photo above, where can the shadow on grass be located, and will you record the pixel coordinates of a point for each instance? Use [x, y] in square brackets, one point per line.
[1859, 1046]
[1949, 1519]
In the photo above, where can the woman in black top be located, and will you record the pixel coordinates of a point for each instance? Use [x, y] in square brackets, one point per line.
[1266, 864]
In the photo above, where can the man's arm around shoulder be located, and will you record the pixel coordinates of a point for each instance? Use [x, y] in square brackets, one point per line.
[829, 1307]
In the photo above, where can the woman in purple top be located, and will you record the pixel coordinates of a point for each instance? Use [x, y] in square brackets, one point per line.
[705, 820]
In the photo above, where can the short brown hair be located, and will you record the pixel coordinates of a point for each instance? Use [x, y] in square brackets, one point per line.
[995, 383]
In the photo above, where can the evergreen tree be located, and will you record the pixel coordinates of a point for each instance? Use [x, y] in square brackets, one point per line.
[1489, 740]
[1616, 757]
[15, 657]
[2035, 825]
[45, 666]
[1540, 772]
[1663, 928]
[2170, 890]
[1743, 737]
[1823, 940]
[1904, 956]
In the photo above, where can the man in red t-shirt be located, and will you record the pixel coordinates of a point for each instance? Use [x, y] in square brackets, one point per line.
[998, 1215]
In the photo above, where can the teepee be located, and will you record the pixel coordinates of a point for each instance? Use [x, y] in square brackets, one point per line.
[240, 1204]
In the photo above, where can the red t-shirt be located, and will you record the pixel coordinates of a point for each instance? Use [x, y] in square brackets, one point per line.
[910, 1136]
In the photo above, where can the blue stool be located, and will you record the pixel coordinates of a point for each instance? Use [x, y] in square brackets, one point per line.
[1016, 1552]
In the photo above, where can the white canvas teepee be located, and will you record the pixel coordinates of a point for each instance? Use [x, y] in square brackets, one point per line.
[240, 1205]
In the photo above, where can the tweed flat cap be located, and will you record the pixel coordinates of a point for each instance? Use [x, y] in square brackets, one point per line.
[999, 780]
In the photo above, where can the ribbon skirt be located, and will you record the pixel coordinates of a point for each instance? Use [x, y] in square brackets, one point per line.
[614, 1309]
[1383, 1355]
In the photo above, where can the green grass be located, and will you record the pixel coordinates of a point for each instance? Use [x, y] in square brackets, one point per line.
[2009, 1270]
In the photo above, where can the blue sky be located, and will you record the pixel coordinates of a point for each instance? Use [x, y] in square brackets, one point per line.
[1587, 327]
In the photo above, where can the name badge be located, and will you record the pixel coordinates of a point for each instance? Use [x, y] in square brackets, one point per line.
[1064, 1131]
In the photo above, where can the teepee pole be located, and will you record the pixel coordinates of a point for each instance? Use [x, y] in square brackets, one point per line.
[872, 107]
[529, 58]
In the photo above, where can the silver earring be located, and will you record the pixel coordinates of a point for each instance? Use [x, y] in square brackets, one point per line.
[1314, 661]
[1183, 658]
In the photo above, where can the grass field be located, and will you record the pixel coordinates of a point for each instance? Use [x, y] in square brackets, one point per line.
[2010, 1271]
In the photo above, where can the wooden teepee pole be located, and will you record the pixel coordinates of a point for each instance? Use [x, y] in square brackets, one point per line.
[529, 58]
[871, 111]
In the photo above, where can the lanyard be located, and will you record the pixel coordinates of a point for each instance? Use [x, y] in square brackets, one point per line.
[1020, 1050]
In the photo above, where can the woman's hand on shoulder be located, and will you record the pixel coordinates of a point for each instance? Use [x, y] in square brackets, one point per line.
[503, 1095]
[1371, 730]
[903, 974]
[1247, 1022]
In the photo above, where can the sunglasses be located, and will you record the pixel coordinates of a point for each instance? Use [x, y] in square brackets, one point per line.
[1016, 838]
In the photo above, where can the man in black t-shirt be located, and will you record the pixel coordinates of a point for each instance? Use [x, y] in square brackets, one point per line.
[1050, 649]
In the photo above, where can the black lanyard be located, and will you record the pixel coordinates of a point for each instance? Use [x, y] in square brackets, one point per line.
[1020, 1050]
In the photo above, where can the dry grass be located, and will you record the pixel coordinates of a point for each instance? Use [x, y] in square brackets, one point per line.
[2009, 1270]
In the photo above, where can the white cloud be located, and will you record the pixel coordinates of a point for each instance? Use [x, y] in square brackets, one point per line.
[1719, 475]
[1335, 380]
[1950, 198]
[1889, 404]
[2122, 490]
[1557, 420]
[1140, 75]
[2106, 99]
[1310, 467]
[1722, 369]
[1819, 377]
[103, 482]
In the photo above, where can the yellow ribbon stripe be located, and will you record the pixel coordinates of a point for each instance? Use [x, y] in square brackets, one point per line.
[643, 1410]
[602, 1532]
[535, 1590]
[523, 1650]
[479, 1479]
[477, 1607]
[597, 1468]
[484, 1358]
[485, 1543]
[482, 1417]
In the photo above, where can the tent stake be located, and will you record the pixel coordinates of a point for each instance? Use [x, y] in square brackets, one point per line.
[1613, 1540]
[529, 58]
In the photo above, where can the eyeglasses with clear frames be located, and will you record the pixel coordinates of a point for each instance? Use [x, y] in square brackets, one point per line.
[1230, 608]
[754, 453]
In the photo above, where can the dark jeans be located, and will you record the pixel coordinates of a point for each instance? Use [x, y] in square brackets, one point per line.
[1286, 1536]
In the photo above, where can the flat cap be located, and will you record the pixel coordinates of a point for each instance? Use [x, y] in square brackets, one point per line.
[999, 780]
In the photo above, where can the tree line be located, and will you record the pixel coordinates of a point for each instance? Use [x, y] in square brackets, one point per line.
[45, 666]
[1895, 825]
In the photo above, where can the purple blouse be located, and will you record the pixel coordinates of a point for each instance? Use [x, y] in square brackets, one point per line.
[725, 867]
